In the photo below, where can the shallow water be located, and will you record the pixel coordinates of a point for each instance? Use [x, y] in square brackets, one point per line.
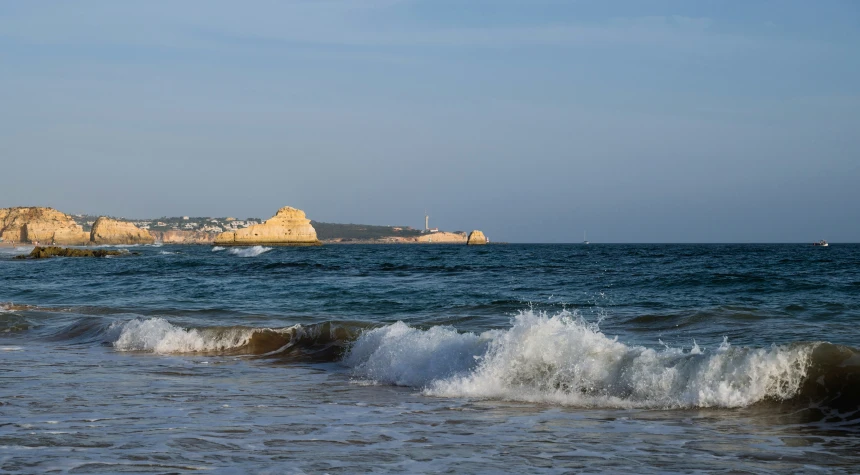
[344, 359]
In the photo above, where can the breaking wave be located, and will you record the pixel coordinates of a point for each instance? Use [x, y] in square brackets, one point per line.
[218, 248]
[563, 359]
[248, 251]
[323, 341]
[557, 359]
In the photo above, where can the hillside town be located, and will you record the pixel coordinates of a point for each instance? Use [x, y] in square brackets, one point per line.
[178, 223]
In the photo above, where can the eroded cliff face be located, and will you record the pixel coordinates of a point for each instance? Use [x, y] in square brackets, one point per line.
[288, 227]
[110, 231]
[476, 238]
[43, 225]
[183, 237]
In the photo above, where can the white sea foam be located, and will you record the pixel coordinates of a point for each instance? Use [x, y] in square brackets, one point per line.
[563, 359]
[402, 355]
[249, 251]
[218, 248]
[157, 335]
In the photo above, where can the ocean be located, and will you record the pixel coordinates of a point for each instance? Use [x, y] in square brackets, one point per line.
[433, 359]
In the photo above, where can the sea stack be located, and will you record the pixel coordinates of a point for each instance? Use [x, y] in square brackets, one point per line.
[37, 224]
[288, 227]
[110, 231]
[476, 238]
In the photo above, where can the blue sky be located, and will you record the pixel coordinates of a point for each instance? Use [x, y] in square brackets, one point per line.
[638, 121]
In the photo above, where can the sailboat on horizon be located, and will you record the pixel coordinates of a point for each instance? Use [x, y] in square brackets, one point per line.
[585, 238]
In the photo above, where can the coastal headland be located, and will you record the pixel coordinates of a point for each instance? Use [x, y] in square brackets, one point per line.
[288, 227]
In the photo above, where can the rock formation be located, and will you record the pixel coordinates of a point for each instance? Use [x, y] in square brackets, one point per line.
[289, 227]
[442, 238]
[53, 251]
[476, 238]
[35, 224]
[110, 231]
[183, 237]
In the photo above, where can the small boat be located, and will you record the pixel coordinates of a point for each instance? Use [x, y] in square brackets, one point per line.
[821, 243]
[584, 238]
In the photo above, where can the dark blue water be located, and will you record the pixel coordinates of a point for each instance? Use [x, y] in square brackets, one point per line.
[644, 358]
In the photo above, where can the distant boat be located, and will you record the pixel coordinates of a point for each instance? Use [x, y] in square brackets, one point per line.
[821, 243]
[584, 238]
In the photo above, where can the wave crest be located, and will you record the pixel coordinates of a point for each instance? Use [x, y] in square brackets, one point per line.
[564, 359]
[318, 342]
[252, 251]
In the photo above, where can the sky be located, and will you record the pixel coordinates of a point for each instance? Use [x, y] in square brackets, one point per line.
[532, 120]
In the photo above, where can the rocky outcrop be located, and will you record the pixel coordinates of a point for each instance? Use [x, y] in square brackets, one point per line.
[53, 251]
[476, 238]
[288, 227]
[44, 225]
[442, 238]
[110, 231]
[183, 237]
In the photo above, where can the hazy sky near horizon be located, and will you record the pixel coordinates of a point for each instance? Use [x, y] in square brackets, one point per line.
[533, 120]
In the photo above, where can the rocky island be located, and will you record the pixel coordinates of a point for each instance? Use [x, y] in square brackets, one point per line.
[476, 238]
[288, 227]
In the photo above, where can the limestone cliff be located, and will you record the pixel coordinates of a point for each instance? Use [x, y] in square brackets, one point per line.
[110, 231]
[45, 225]
[442, 238]
[476, 238]
[288, 227]
[183, 237]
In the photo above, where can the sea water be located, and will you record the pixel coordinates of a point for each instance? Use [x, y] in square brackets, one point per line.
[432, 358]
